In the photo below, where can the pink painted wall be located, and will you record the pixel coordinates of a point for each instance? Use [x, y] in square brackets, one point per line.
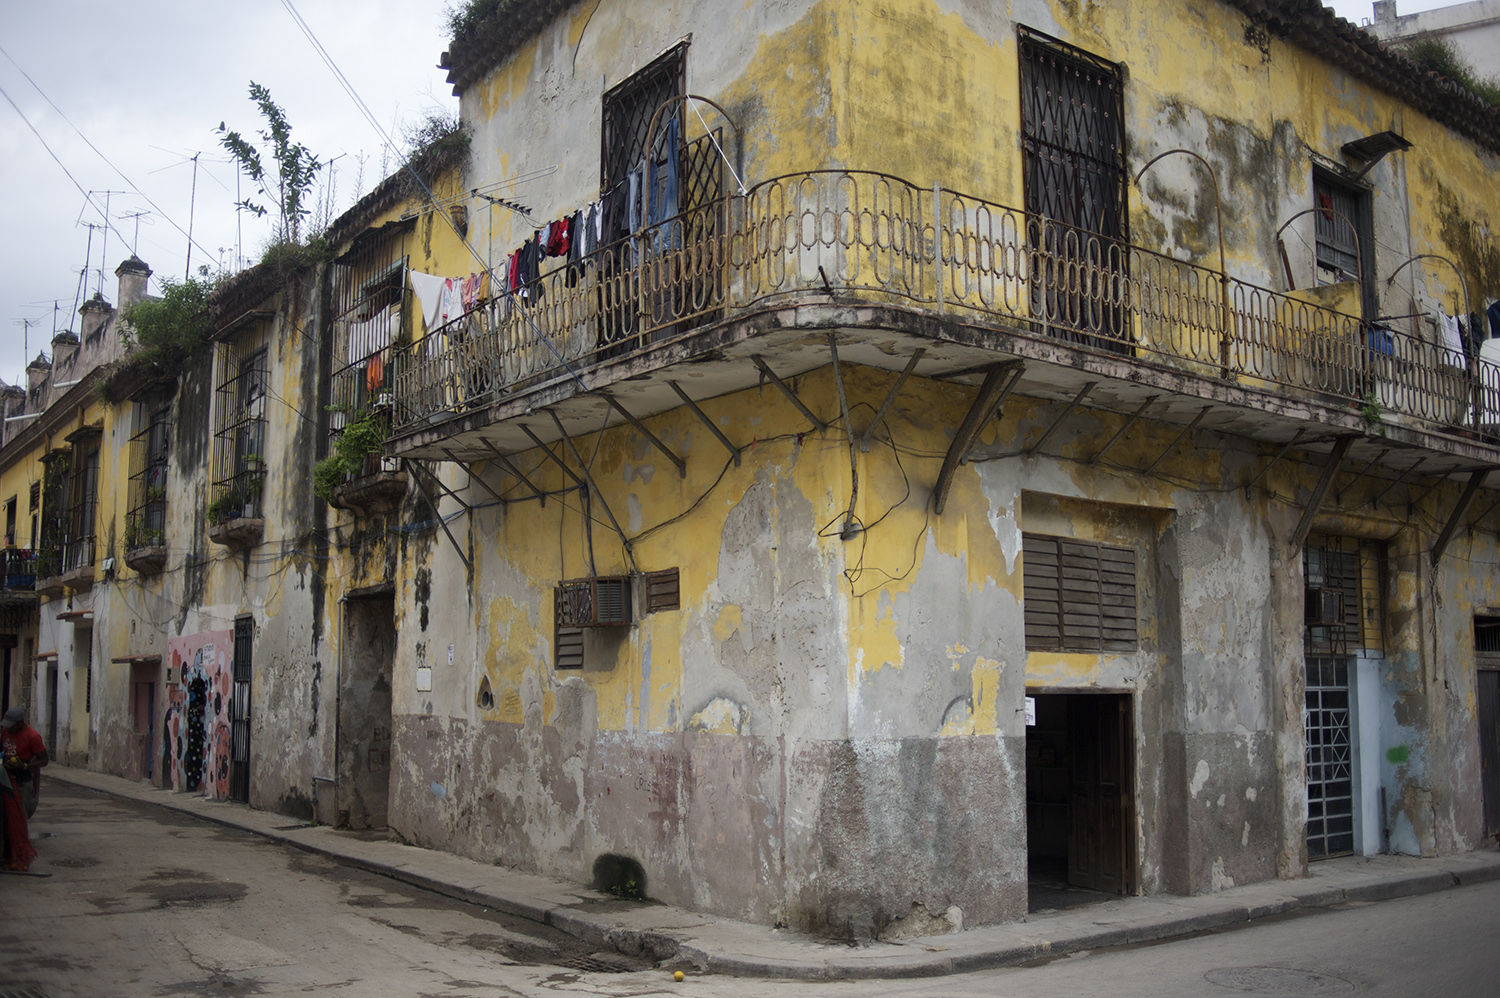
[196, 723]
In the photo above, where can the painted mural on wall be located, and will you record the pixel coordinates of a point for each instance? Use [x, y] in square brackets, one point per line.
[196, 722]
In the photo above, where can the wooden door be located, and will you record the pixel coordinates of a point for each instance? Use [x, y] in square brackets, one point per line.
[1100, 845]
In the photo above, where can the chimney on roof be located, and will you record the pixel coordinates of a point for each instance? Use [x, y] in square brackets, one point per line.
[1385, 10]
[64, 349]
[95, 313]
[37, 371]
[132, 274]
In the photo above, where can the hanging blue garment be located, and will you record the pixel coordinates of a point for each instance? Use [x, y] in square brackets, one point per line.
[1494, 314]
[663, 192]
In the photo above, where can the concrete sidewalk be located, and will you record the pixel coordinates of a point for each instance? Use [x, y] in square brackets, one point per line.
[719, 945]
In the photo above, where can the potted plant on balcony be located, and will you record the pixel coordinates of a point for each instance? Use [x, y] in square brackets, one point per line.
[225, 506]
[361, 438]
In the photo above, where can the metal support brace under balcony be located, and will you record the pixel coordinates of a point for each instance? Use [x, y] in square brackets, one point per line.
[1476, 480]
[791, 395]
[506, 463]
[1315, 501]
[978, 414]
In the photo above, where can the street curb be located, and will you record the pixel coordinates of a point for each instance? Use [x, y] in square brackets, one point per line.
[1045, 938]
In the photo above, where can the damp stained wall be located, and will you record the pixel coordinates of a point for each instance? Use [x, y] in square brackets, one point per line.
[819, 702]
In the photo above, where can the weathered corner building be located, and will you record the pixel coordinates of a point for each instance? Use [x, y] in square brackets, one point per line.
[925, 457]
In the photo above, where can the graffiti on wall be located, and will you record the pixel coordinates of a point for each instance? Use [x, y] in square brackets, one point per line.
[195, 725]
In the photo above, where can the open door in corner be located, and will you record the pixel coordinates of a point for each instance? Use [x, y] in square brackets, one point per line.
[1080, 799]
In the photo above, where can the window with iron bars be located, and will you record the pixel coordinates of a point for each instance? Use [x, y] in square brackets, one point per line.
[83, 507]
[239, 438]
[369, 301]
[53, 514]
[1342, 612]
[146, 519]
[1073, 139]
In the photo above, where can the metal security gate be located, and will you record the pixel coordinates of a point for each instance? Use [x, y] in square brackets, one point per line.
[1330, 758]
[239, 713]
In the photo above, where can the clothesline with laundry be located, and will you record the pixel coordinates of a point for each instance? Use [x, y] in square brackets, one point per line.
[647, 195]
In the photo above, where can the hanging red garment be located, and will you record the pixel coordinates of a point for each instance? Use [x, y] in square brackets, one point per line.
[19, 852]
[374, 373]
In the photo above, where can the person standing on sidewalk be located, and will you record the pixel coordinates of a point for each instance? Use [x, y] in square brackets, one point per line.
[24, 754]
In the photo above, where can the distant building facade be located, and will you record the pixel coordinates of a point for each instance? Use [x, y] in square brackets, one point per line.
[1473, 28]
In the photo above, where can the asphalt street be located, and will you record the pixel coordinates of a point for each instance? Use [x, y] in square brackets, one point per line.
[144, 900]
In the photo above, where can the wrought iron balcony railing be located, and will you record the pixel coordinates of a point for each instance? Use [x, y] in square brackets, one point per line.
[873, 239]
[20, 569]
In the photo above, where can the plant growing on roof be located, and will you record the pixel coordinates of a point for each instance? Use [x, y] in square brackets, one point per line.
[362, 436]
[286, 181]
[162, 332]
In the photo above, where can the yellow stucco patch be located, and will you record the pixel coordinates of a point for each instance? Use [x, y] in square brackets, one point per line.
[728, 622]
[1063, 668]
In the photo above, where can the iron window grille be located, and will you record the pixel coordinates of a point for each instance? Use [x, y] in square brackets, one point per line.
[83, 505]
[1341, 576]
[628, 109]
[1073, 140]
[239, 442]
[1079, 596]
[370, 316]
[603, 601]
[146, 519]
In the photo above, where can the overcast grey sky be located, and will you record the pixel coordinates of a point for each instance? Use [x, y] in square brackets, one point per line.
[147, 83]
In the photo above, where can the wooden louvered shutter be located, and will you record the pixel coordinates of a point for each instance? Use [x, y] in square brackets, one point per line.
[1079, 597]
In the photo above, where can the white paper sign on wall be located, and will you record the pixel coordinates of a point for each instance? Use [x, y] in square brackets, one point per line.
[424, 679]
[1031, 712]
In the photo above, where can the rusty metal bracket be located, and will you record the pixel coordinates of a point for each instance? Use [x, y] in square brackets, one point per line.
[764, 369]
[655, 441]
[977, 416]
[1335, 458]
[1010, 386]
[703, 417]
[1476, 479]
[1134, 418]
[1189, 428]
[1375, 503]
[475, 478]
[1270, 464]
[417, 481]
[838, 382]
[1067, 411]
[1490, 509]
[505, 463]
[890, 400]
[588, 480]
[1362, 472]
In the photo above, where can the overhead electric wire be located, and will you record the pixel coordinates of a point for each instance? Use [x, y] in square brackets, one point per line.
[374, 123]
[133, 186]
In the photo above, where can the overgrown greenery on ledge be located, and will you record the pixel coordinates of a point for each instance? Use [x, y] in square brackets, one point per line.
[1439, 55]
[362, 436]
[465, 18]
[435, 144]
[160, 333]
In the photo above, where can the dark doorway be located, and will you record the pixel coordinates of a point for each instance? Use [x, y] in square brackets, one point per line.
[1487, 658]
[1079, 800]
[1489, 747]
[364, 712]
[239, 711]
[143, 715]
[51, 732]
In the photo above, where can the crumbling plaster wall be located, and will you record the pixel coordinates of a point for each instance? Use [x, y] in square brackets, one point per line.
[856, 737]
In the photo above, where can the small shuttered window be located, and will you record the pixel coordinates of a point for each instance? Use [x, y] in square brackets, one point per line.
[1079, 596]
[662, 591]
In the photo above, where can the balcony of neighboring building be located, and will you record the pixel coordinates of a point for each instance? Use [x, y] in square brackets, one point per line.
[17, 576]
[718, 298]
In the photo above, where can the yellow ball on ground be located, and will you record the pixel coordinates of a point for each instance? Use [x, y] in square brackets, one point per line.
[678, 976]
